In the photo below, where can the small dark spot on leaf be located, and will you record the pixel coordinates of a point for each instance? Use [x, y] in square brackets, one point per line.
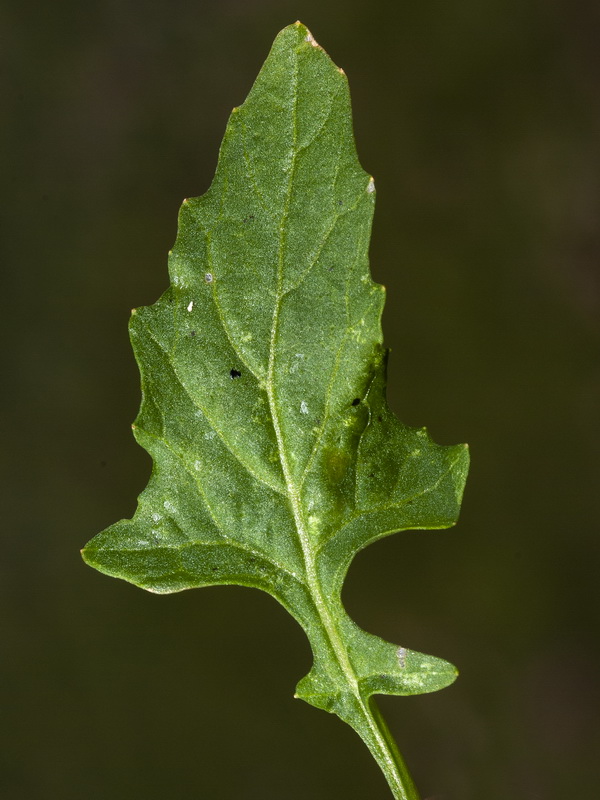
[192, 333]
[356, 401]
[340, 202]
[215, 569]
[235, 373]
[379, 418]
[249, 217]
[371, 474]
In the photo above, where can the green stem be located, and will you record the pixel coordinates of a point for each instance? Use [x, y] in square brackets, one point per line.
[376, 735]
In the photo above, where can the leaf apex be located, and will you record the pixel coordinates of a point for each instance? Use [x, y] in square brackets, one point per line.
[303, 30]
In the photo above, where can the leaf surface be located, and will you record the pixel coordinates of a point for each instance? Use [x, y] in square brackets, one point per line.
[275, 456]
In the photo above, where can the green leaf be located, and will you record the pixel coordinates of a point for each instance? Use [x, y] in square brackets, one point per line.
[276, 458]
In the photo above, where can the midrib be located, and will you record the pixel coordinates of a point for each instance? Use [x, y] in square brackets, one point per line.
[292, 490]
[328, 623]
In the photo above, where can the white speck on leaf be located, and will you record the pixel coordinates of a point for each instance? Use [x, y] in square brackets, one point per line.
[208, 277]
[371, 186]
[156, 517]
[401, 653]
[303, 407]
[168, 505]
[191, 305]
[197, 465]
[296, 363]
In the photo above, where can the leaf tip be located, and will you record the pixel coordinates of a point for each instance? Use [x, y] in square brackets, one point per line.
[371, 185]
[308, 37]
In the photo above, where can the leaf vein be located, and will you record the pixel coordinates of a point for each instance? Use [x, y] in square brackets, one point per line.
[252, 172]
[212, 423]
[365, 512]
[218, 525]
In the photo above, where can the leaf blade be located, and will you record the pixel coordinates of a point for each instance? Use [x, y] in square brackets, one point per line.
[275, 456]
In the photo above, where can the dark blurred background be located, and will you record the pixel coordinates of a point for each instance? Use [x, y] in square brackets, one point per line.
[479, 120]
